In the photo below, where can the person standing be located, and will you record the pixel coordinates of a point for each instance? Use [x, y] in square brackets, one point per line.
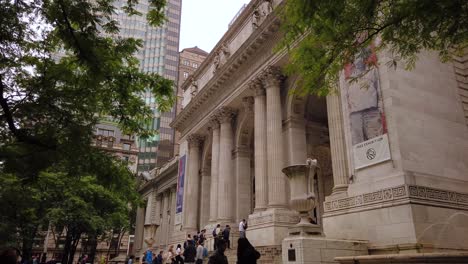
[178, 257]
[218, 257]
[159, 258]
[242, 228]
[200, 254]
[226, 233]
[170, 255]
[148, 256]
[130, 259]
[246, 253]
[216, 232]
[190, 253]
[202, 238]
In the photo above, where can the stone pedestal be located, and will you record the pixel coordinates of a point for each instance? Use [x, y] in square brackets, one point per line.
[318, 249]
[449, 257]
[270, 227]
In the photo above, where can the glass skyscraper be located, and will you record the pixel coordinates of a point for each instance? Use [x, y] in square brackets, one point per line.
[159, 55]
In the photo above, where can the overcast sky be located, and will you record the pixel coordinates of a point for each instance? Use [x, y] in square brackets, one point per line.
[204, 22]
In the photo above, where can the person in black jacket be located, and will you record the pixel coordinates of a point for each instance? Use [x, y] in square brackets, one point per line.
[218, 257]
[190, 253]
[246, 253]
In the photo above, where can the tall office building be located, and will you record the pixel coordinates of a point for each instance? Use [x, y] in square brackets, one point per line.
[158, 55]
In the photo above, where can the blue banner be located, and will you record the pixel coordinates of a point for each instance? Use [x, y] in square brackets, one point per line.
[180, 185]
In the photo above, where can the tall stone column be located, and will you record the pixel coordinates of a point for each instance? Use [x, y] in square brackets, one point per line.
[226, 177]
[192, 188]
[337, 144]
[159, 219]
[242, 157]
[205, 196]
[260, 147]
[277, 192]
[214, 124]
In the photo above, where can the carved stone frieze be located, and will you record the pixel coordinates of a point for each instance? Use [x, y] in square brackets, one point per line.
[412, 192]
[217, 86]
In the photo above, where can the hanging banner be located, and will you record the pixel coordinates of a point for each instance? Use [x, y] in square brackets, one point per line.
[180, 190]
[365, 107]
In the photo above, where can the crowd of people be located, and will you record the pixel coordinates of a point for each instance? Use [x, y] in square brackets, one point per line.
[193, 250]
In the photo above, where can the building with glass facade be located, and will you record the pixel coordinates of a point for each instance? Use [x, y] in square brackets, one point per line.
[158, 55]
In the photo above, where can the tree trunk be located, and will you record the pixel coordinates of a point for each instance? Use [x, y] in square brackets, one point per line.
[92, 245]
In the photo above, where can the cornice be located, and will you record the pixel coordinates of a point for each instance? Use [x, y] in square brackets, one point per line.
[233, 30]
[214, 85]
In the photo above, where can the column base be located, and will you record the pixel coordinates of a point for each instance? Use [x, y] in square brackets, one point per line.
[318, 249]
[271, 226]
[338, 192]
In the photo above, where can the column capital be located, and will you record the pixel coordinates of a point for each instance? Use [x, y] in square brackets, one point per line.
[195, 140]
[248, 103]
[257, 86]
[271, 77]
[225, 114]
[213, 123]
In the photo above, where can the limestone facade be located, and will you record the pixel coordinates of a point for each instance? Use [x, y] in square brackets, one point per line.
[245, 124]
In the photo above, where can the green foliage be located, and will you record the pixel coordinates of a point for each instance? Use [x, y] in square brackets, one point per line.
[62, 68]
[322, 36]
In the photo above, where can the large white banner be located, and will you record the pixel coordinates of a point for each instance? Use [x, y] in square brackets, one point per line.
[365, 107]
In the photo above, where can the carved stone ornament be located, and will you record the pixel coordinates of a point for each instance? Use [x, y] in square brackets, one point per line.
[257, 86]
[225, 49]
[213, 123]
[225, 114]
[272, 77]
[248, 103]
[195, 140]
[216, 61]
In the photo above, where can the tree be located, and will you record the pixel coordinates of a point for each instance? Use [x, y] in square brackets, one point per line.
[323, 36]
[62, 68]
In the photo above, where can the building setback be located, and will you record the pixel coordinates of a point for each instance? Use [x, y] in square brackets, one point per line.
[393, 175]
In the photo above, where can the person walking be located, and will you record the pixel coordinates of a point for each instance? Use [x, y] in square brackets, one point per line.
[242, 228]
[226, 233]
[189, 240]
[169, 257]
[190, 253]
[130, 259]
[215, 234]
[202, 238]
[246, 253]
[159, 258]
[200, 254]
[218, 257]
[178, 257]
